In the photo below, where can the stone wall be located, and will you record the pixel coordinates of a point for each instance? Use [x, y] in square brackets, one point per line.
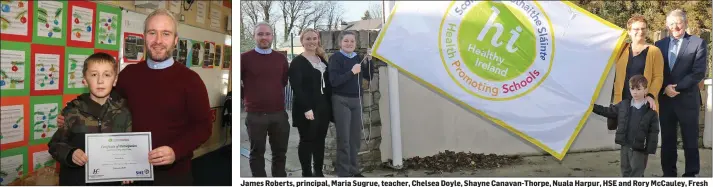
[369, 154]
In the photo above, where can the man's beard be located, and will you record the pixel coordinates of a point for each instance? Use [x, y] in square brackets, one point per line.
[155, 58]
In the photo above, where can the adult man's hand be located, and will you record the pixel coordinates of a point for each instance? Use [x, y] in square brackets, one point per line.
[671, 90]
[163, 155]
[60, 121]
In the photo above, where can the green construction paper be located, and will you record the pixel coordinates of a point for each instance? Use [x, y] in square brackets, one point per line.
[17, 151]
[197, 61]
[103, 26]
[19, 46]
[78, 71]
[42, 21]
[37, 124]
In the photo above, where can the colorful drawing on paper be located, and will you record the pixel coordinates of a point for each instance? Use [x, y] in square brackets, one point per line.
[46, 72]
[49, 16]
[218, 54]
[14, 17]
[11, 168]
[76, 76]
[12, 69]
[45, 124]
[12, 126]
[106, 33]
[42, 159]
[82, 24]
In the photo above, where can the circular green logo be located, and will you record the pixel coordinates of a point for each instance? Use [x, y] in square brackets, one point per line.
[109, 139]
[496, 42]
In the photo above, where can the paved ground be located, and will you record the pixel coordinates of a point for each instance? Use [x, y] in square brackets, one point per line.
[591, 164]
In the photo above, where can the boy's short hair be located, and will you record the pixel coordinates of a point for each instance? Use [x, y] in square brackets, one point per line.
[638, 81]
[99, 58]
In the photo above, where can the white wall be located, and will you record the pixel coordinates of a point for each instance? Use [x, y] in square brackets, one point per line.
[431, 123]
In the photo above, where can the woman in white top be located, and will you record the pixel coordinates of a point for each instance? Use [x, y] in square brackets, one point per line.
[312, 109]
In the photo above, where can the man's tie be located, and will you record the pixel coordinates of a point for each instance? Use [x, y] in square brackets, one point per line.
[673, 53]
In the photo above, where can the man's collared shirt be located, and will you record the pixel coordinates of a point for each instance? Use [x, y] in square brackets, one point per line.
[263, 51]
[160, 65]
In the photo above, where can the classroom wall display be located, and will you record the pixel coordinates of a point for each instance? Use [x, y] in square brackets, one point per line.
[14, 165]
[227, 55]
[42, 51]
[217, 56]
[14, 121]
[39, 157]
[195, 53]
[14, 68]
[46, 76]
[73, 76]
[16, 20]
[208, 54]
[49, 27]
[183, 49]
[133, 48]
[108, 27]
[81, 24]
[43, 122]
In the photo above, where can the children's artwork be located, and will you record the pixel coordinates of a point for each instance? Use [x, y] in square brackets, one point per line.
[74, 77]
[42, 159]
[50, 23]
[44, 112]
[183, 48]
[14, 112]
[81, 24]
[12, 126]
[174, 54]
[133, 47]
[14, 165]
[195, 52]
[218, 55]
[15, 20]
[108, 27]
[14, 68]
[47, 70]
[208, 54]
[226, 57]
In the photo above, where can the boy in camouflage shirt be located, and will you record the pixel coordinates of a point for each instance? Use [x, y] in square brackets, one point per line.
[100, 111]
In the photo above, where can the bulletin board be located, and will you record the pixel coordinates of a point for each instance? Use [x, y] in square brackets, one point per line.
[43, 47]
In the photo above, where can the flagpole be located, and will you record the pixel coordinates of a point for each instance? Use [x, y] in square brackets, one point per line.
[394, 106]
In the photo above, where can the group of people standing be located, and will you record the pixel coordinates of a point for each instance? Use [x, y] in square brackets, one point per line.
[326, 89]
[672, 69]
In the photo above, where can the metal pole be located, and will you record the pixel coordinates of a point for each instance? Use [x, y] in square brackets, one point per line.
[394, 105]
[292, 45]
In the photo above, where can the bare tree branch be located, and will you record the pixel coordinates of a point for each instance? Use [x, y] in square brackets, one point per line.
[376, 11]
[291, 12]
[334, 14]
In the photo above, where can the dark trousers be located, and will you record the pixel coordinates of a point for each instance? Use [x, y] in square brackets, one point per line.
[348, 122]
[276, 126]
[633, 163]
[672, 116]
[312, 135]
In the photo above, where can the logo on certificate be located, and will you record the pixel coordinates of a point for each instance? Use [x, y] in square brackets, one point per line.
[142, 173]
[96, 171]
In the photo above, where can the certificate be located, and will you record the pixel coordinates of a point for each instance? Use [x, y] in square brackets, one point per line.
[118, 157]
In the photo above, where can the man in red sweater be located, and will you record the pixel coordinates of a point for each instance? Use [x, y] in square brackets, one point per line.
[264, 77]
[167, 99]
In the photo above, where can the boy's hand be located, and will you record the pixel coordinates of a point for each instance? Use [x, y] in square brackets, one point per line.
[309, 115]
[126, 182]
[79, 157]
[163, 155]
[60, 121]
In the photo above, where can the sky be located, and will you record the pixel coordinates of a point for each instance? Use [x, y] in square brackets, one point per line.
[354, 10]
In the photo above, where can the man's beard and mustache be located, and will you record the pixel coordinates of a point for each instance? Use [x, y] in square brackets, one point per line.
[158, 58]
[264, 44]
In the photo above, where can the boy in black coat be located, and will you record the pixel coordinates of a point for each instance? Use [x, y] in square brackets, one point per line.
[637, 128]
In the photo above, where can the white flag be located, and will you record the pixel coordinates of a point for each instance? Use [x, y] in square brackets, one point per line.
[534, 68]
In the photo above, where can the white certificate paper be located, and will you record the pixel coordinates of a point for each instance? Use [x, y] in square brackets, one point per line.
[118, 157]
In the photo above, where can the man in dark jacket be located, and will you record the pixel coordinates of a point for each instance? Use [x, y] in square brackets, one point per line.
[637, 128]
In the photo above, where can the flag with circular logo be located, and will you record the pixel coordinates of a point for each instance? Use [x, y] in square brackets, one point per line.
[532, 67]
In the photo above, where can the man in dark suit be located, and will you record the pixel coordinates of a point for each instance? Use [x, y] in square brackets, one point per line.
[680, 100]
